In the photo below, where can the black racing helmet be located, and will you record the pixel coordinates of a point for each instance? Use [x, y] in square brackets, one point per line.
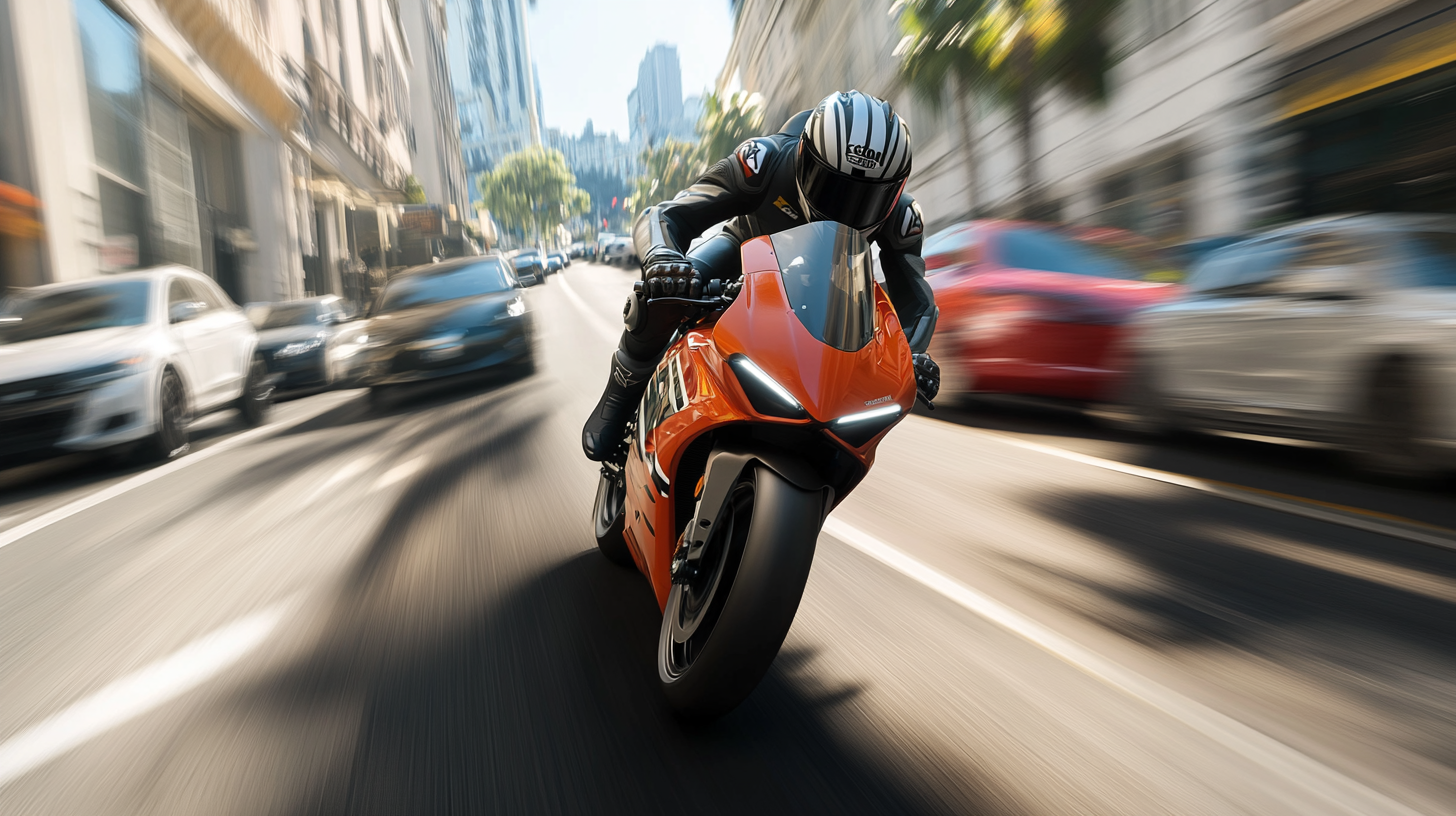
[854, 158]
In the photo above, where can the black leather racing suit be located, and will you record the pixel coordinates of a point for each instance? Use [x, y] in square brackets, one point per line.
[755, 187]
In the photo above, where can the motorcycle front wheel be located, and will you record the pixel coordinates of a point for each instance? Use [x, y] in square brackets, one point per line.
[722, 628]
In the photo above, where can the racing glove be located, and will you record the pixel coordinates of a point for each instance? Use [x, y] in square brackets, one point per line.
[668, 273]
[927, 376]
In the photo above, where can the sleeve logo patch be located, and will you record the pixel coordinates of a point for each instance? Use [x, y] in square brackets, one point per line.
[750, 154]
[912, 223]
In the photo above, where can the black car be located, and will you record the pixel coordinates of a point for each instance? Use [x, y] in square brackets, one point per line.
[530, 267]
[443, 319]
[294, 338]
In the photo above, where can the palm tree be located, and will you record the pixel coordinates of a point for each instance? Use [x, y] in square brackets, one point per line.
[1012, 50]
[726, 122]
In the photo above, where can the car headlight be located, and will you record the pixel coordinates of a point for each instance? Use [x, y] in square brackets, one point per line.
[115, 370]
[300, 347]
[764, 392]
[515, 308]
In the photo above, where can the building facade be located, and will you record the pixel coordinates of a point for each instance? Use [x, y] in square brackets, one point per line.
[494, 80]
[1180, 149]
[434, 131]
[261, 142]
[655, 106]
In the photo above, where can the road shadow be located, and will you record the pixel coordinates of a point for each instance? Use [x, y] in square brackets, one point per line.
[1313, 603]
[491, 664]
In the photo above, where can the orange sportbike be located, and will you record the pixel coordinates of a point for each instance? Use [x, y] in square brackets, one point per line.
[763, 415]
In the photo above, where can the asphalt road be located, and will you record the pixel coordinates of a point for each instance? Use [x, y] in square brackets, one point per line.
[402, 612]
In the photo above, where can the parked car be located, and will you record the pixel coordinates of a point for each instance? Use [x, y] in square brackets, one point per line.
[620, 252]
[1034, 309]
[1337, 331]
[553, 263]
[294, 339]
[441, 320]
[561, 259]
[530, 267]
[123, 361]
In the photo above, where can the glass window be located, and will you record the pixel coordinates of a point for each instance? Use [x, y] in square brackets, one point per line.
[454, 283]
[948, 247]
[1431, 259]
[1324, 249]
[1045, 251]
[33, 314]
[281, 315]
[1242, 269]
[178, 292]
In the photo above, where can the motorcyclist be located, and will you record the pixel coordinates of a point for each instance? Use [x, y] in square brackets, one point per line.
[847, 161]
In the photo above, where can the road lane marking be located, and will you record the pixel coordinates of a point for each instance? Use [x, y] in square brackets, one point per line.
[136, 694]
[596, 321]
[1368, 520]
[398, 473]
[65, 511]
[1334, 791]
[340, 474]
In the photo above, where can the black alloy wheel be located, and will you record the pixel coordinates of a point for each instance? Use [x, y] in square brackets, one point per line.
[689, 622]
[257, 397]
[1389, 441]
[171, 438]
[610, 517]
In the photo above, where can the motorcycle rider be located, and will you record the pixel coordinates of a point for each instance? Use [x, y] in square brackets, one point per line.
[847, 161]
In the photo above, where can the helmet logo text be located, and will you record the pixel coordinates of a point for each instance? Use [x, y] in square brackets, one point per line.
[864, 156]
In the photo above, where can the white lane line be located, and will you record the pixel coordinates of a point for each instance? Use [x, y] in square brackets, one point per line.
[136, 693]
[1333, 791]
[595, 320]
[398, 473]
[44, 520]
[1353, 517]
[343, 472]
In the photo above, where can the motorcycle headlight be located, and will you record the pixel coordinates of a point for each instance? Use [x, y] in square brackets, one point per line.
[764, 392]
[859, 428]
[299, 347]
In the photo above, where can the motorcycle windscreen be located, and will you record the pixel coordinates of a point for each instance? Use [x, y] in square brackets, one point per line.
[830, 283]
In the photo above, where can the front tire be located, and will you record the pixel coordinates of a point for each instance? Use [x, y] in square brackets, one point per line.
[1392, 426]
[610, 518]
[257, 399]
[171, 438]
[722, 629]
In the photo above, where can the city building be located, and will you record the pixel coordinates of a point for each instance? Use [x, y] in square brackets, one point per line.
[1179, 150]
[219, 134]
[655, 106]
[434, 132]
[604, 167]
[496, 92]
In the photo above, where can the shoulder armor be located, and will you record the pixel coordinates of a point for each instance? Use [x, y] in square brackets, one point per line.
[903, 229]
[748, 167]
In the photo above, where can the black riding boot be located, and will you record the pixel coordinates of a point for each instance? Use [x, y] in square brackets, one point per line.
[602, 435]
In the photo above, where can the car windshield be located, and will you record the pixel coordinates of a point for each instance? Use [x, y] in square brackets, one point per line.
[53, 312]
[1432, 258]
[438, 287]
[282, 315]
[1044, 250]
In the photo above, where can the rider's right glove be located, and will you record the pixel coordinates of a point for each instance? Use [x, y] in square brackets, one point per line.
[669, 274]
[927, 376]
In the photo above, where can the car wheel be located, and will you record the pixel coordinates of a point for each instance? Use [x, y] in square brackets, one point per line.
[257, 399]
[1391, 427]
[171, 438]
[1140, 406]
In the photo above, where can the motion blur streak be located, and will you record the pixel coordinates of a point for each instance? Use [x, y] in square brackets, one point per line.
[136, 694]
[1323, 790]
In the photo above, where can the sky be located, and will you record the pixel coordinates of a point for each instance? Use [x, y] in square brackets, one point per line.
[587, 52]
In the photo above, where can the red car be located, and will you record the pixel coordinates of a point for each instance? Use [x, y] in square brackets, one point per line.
[1038, 309]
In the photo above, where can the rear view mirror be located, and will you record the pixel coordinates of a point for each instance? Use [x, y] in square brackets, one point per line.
[184, 311]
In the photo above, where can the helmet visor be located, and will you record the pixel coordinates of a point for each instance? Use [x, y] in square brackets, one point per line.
[855, 202]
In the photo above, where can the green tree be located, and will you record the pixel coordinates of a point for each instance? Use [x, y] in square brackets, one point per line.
[414, 192]
[667, 168]
[727, 121]
[1011, 50]
[532, 191]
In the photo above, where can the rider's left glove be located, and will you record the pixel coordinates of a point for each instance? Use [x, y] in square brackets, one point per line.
[927, 376]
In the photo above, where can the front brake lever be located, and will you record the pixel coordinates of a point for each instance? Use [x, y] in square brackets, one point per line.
[920, 398]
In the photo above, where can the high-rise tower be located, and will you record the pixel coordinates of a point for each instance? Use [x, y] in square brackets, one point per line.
[495, 86]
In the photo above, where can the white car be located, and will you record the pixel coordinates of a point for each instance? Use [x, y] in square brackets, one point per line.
[121, 360]
[619, 252]
[1339, 331]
